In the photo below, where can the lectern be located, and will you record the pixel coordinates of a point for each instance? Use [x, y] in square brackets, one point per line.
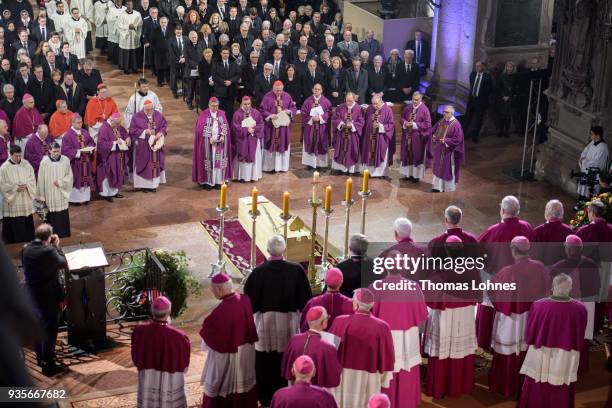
[86, 296]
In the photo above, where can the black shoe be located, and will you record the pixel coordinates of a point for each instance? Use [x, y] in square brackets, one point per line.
[415, 180]
[86, 203]
[75, 204]
[206, 187]
[433, 190]
[189, 105]
[119, 195]
[109, 199]
[217, 186]
[153, 190]
[144, 190]
[51, 369]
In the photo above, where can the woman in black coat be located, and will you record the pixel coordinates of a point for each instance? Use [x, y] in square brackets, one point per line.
[334, 78]
[293, 84]
[205, 73]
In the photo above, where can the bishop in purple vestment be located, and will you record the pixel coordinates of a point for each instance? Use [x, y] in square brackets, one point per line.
[334, 302]
[37, 147]
[303, 394]
[554, 334]
[212, 147]
[79, 147]
[148, 130]
[378, 133]
[495, 241]
[347, 126]
[317, 344]
[247, 136]
[448, 152]
[26, 121]
[416, 139]
[113, 153]
[316, 113]
[277, 139]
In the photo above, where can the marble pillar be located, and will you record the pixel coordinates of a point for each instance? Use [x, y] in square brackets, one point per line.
[454, 30]
[580, 87]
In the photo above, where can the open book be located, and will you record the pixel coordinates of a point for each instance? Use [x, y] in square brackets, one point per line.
[85, 258]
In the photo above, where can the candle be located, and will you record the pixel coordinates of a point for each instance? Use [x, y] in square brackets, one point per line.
[315, 182]
[328, 191]
[286, 204]
[254, 200]
[349, 190]
[223, 196]
[366, 181]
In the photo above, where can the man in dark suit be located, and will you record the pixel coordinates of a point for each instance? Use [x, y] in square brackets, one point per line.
[377, 78]
[250, 71]
[42, 31]
[353, 268]
[311, 77]
[262, 9]
[42, 260]
[176, 51]
[356, 81]
[225, 75]
[422, 51]
[244, 39]
[149, 25]
[21, 80]
[481, 86]
[371, 45]
[222, 9]
[409, 76]
[263, 83]
[24, 42]
[41, 89]
[301, 61]
[279, 66]
[89, 78]
[168, 8]
[329, 45]
[279, 44]
[303, 44]
[50, 64]
[160, 43]
[233, 22]
[73, 94]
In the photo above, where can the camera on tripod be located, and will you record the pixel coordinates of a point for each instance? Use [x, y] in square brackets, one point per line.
[590, 180]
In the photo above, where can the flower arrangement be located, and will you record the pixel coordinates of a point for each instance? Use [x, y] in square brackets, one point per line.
[129, 292]
[582, 216]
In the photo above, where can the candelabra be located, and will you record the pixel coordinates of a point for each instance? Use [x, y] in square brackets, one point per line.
[347, 206]
[285, 219]
[253, 262]
[312, 267]
[324, 262]
[219, 266]
[364, 197]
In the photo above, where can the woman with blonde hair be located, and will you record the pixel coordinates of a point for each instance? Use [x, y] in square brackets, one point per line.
[215, 24]
[334, 78]
[205, 74]
[40, 53]
[207, 36]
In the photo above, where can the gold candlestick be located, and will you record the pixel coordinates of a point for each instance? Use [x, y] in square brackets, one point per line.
[219, 266]
[315, 284]
[324, 262]
[285, 219]
[347, 205]
[253, 262]
[364, 197]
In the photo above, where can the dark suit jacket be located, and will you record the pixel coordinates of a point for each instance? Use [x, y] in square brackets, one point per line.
[174, 51]
[160, 45]
[486, 86]
[220, 74]
[352, 271]
[41, 265]
[148, 28]
[36, 33]
[373, 48]
[409, 78]
[282, 69]
[284, 49]
[193, 56]
[43, 94]
[309, 82]
[78, 98]
[425, 51]
[377, 82]
[359, 86]
[71, 63]
[89, 83]
[262, 86]
[47, 68]
[168, 8]
[334, 52]
[20, 86]
[17, 45]
[248, 76]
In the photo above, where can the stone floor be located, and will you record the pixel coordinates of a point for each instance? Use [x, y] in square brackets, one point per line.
[170, 219]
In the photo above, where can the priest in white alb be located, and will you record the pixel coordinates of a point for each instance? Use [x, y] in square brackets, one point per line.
[228, 337]
[137, 100]
[54, 186]
[18, 186]
[129, 28]
[76, 33]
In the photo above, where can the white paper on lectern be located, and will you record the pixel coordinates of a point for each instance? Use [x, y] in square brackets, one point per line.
[86, 258]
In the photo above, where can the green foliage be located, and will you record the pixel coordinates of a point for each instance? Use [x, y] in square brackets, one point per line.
[127, 294]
